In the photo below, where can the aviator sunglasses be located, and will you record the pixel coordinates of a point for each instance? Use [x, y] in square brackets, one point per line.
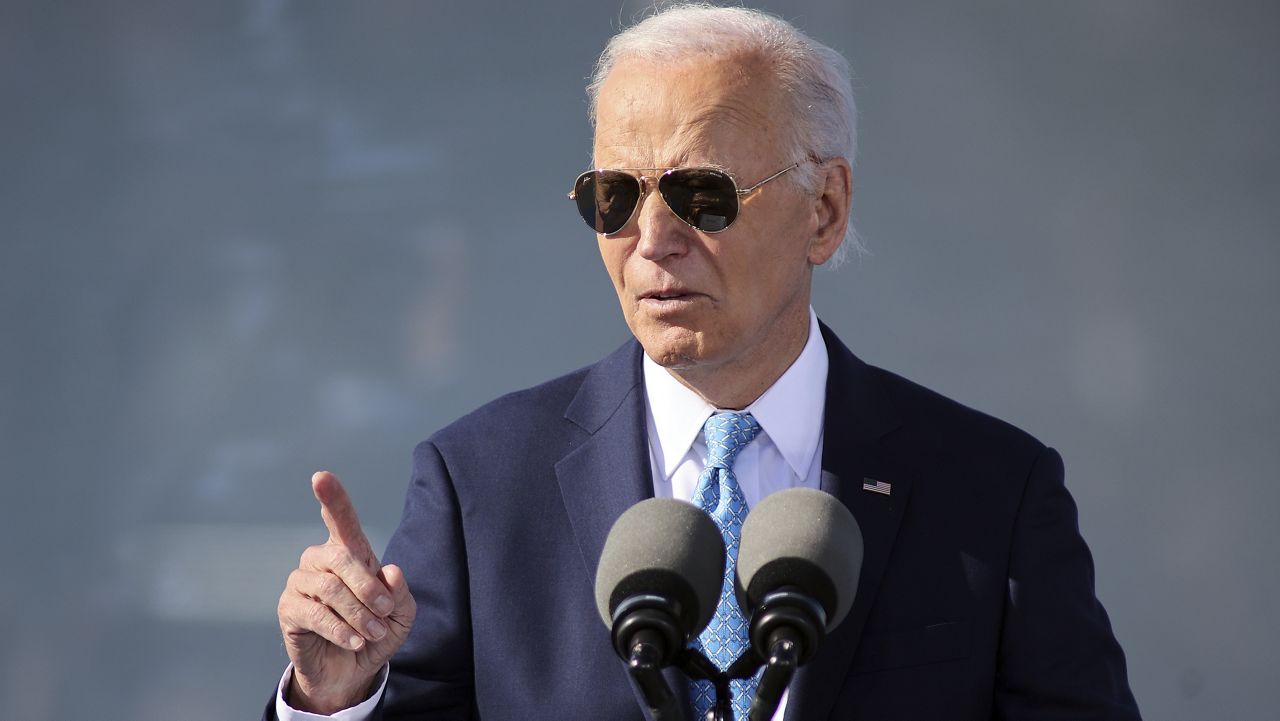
[705, 198]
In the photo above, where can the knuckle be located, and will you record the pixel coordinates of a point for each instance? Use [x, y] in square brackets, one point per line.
[330, 586]
[358, 616]
[366, 589]
[349, 558]
[339, 628]
[317, 616]
[336, 557]
[310, 556]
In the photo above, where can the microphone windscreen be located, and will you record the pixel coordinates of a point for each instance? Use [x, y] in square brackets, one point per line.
[805, 538]
[667, 548]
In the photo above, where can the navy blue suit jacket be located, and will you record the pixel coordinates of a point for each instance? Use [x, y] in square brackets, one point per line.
[975, 600]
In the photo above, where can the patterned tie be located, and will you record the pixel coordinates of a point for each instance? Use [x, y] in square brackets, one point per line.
[719, 494]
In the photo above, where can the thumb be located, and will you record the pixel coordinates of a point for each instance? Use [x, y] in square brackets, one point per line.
[393, 577]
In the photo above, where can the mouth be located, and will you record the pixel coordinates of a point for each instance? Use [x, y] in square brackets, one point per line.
[669, 299]
[669, 294]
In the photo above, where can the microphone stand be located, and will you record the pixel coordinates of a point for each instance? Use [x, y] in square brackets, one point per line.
[789, 625]
[779, 669]
[644, 663]
[697, 666]
[647, 636]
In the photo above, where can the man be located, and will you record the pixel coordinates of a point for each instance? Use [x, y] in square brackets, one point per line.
[723, 139]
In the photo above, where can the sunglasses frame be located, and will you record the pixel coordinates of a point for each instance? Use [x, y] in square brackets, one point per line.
[643, 180]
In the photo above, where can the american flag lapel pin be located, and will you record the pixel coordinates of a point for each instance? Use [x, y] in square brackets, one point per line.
[871, 484]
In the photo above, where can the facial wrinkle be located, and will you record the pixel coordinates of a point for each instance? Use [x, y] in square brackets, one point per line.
[730, 113]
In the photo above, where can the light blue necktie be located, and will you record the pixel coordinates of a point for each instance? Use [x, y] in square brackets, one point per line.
[719, 494]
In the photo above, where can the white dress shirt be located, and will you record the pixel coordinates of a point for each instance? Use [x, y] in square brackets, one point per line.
[786, 453]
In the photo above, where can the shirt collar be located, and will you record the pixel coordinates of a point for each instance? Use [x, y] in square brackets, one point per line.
[790, 411]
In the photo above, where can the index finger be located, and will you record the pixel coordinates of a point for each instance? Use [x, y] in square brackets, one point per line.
[340, 516]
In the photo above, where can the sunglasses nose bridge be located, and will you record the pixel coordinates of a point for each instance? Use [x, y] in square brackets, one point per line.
[648, 186]
[644, 186]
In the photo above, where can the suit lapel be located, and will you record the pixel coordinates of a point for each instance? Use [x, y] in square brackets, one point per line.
[609, 471]
[856, 421]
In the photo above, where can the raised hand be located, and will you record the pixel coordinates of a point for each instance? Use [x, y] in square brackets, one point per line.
[342, 616]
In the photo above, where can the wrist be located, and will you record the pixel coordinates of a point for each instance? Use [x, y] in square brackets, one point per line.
[328, 699]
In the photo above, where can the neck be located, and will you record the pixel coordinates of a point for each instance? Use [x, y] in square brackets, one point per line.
[736, 384]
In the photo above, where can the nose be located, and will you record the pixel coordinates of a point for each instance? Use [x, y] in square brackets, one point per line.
[662, 234]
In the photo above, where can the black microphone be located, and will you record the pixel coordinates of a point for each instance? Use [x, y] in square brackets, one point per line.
[657, 585]
[798, 569]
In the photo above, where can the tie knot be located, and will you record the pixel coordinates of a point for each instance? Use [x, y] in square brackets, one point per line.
[726, 434]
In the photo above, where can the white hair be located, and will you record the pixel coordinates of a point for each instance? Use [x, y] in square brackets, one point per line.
[815, 79]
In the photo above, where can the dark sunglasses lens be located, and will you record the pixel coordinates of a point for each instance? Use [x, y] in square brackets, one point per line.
[706, 199]
[606, 199]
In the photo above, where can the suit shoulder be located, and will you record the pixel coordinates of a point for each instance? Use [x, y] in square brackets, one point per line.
[516, 413]
[935, 414]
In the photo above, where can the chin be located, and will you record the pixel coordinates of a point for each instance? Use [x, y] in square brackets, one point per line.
[672, 360]
[675, 348]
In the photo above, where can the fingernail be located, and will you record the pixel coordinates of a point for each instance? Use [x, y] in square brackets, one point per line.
[383, 605]
[356, 642]
[376, 629]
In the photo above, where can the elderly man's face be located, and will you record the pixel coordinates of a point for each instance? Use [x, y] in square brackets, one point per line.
[698, 301]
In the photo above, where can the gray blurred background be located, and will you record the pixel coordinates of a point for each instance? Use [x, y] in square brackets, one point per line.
[240, 241]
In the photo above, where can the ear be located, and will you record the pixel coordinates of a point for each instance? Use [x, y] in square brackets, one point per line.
[831, 209]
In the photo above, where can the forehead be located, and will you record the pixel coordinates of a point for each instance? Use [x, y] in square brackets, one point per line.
[705, 110]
